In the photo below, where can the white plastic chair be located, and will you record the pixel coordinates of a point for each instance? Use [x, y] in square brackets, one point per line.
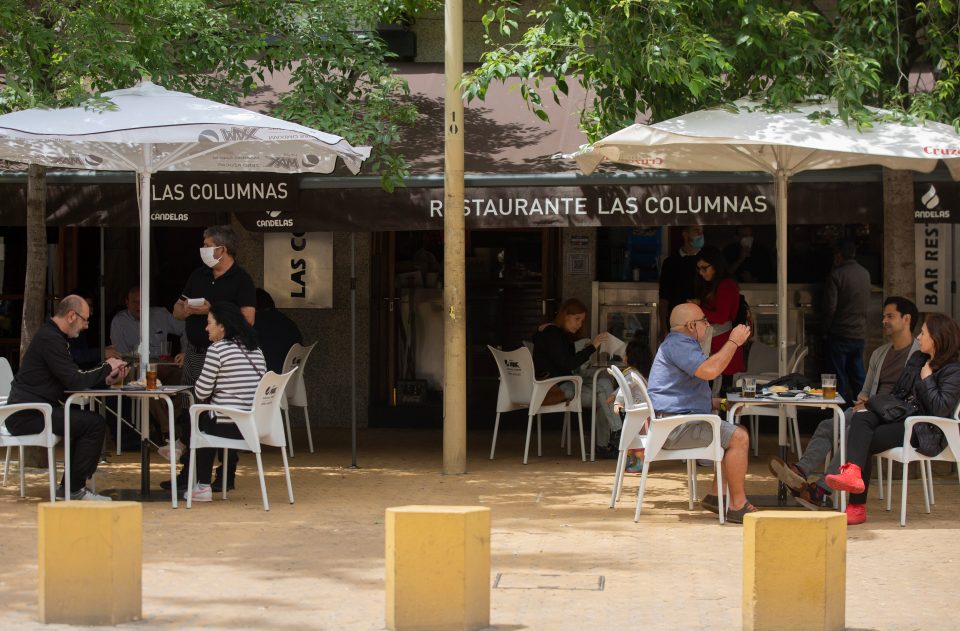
[905, 454]
[260, 425]
[656, 436]
[296, 392]
[754, 412]
[520, 390]
[46, 438]
[6, 380]
[633, 432]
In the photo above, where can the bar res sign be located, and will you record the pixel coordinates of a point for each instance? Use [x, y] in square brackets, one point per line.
[298, 269]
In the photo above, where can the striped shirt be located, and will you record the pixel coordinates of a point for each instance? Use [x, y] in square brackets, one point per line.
[228, 378]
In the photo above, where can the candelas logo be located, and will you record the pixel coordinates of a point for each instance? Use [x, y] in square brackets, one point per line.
[930, 199]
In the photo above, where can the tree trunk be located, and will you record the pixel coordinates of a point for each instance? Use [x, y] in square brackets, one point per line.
[898, 246]
[35, 283]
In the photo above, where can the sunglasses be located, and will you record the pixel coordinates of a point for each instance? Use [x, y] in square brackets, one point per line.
[85, 320]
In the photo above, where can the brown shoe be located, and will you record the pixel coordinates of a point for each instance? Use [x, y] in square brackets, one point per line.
[736, 516]
[789, 474]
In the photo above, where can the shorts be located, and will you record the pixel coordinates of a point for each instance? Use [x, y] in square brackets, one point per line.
[698, 434]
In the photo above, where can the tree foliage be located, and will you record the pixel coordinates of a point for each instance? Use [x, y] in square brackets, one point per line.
[664, 58]
[57, 53]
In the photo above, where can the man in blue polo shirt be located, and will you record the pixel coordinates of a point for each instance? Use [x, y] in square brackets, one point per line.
[679, 384]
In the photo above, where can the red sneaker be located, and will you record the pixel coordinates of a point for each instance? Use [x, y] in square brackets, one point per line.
[849, 479]
[856, 514]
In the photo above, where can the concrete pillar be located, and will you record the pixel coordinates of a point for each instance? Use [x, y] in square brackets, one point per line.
[89, 562]
[898, 243]
[794, 570]
[438, 568]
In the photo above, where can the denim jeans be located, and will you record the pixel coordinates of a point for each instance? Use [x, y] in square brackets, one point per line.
[845, 358]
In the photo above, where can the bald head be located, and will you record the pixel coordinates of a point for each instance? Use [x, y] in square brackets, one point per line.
[71, 303]
[684, 313]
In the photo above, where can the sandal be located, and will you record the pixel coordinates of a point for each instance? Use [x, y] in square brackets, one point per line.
[736, 516]
[710, 503]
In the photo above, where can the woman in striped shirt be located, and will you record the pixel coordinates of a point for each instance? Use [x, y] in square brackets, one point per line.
[231, 373]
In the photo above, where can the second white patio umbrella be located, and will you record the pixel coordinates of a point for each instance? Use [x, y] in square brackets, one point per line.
[746, 138]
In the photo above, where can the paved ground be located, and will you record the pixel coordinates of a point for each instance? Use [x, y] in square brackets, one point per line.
[318, 564]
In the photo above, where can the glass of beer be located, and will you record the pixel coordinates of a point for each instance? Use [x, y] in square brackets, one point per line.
[828, 382]
[749, 388]
[151, 376]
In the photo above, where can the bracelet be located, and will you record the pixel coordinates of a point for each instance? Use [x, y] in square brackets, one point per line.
[734, 343]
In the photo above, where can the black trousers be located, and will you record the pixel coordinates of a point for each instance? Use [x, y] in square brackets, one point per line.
[86, 438]
[870, 435]
[205, 457]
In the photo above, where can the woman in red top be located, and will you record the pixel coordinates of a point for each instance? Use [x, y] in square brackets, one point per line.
[719, 297]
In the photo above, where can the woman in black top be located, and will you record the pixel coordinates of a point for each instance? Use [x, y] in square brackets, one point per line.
[555, 355]
[936, 389]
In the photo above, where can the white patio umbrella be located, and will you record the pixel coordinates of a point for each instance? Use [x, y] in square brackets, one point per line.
[746, 138]
[150, 129]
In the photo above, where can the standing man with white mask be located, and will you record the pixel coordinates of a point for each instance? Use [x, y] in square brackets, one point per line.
[220, 279]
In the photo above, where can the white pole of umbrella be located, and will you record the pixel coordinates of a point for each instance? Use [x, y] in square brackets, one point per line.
[144, 267]
[782, 306]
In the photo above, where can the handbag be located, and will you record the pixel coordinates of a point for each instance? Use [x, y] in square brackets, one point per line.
[928, 439]
[891, 408]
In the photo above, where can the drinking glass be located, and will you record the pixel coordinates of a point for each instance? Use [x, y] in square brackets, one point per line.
[828, 382]
[151, 376]
[165, 350]
[749, 389]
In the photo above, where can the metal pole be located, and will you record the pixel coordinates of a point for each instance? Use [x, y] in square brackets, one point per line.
[454, 279]
[353, 350]
[782, 306]
[103, 297]
[144, 268]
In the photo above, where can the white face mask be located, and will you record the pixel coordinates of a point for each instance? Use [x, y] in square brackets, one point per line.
[206, 255]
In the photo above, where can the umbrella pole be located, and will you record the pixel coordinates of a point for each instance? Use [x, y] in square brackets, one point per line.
[782, 306]
[353, 350]
[103, 298]
[144, 267]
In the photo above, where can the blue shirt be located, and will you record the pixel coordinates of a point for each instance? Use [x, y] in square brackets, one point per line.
[673, 386]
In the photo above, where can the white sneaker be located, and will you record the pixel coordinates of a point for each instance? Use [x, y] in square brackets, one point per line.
[177, 450]
[86, 495]
[201, 493]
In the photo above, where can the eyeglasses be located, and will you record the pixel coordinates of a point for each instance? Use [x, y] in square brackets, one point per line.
[703, 268]
[702, 320]
[85, 320]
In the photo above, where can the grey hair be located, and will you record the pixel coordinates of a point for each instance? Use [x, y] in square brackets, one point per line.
[223, 235]
[68, 304]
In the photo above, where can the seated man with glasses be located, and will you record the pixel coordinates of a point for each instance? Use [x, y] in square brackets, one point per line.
[47, 371]
[680, 384]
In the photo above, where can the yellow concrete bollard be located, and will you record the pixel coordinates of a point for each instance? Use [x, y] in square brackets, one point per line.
[90, 559]
[438, 567]
[794, 570]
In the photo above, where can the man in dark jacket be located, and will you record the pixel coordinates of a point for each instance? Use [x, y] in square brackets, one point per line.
[846, 300]
[47, 371]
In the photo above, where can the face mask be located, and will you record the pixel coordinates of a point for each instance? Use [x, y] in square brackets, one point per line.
[697, 242]
[206, 255]
[746, 242]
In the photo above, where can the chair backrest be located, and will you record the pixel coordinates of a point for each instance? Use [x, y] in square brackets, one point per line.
[6, 377]
[266, 408]
[296, 360]
[796, 360]
[516, 378]
[629, 396]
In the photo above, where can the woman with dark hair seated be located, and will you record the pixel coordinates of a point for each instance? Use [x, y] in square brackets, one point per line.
[555, 355]
[932, 379]
[232, 370]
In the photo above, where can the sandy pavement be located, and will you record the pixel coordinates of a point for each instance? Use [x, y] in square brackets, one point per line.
[318, 564]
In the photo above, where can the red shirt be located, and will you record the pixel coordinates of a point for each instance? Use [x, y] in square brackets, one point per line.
[723, 308]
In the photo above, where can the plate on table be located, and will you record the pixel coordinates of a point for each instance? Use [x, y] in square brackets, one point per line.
[786, 394]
